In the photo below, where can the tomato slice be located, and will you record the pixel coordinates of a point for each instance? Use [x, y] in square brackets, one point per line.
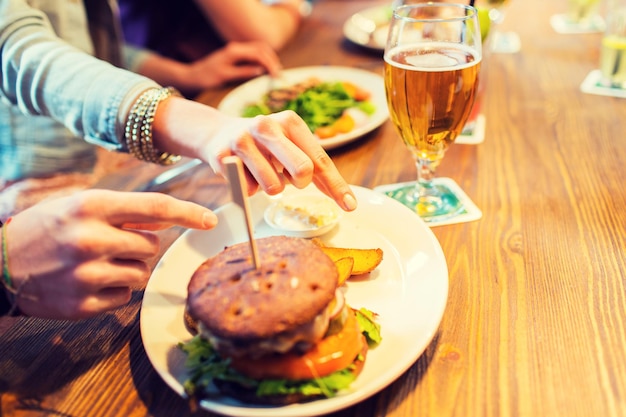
[331, 354]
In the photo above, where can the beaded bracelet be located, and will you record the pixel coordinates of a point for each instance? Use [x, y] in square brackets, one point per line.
[138, 129]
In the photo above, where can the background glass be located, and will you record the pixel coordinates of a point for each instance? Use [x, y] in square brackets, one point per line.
[582, 11]
[613, 49]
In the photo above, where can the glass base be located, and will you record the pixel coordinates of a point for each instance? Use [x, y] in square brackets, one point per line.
[431, 208]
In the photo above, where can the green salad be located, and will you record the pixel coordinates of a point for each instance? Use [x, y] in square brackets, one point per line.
[322, 105]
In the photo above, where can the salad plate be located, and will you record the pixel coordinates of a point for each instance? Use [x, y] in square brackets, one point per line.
[368, 28]
[252, 91]
[408, 291]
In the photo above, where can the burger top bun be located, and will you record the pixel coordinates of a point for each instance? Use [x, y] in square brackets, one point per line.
[294, 284]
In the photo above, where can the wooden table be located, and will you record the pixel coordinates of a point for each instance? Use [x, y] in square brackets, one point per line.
[535, 323]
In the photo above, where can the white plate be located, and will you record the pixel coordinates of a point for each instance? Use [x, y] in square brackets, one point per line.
[408, 290]
[253, 90]
[369, 27]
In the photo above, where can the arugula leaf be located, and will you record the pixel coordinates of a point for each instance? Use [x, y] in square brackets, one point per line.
[205, 364]
[370, 328]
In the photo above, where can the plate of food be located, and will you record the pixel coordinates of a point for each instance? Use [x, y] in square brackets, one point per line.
[339, 104]
[405, 290]
[369, 27]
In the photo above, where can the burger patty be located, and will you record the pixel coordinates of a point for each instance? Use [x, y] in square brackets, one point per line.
[289, 292]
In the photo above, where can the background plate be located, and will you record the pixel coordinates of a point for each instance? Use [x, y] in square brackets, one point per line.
[252, 91]
[369, 27]
[408, 290]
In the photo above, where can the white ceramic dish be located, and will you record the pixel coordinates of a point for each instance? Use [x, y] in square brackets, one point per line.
[369, 27]
[253, 91]
[303, 214]
[408, 290]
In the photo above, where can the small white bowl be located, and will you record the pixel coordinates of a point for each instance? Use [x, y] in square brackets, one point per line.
[303, 215]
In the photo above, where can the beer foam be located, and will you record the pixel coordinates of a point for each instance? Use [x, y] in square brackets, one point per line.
[432, 60]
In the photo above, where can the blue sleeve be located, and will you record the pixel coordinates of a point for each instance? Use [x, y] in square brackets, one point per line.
[43, 75]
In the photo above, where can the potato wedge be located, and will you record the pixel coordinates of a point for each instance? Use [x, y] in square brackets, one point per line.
[318, 242]
[344, 267]
[365, 260]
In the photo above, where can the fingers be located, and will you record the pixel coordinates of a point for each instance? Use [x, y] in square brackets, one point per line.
[93, 288]
[263, 159]
[116, 243]
[146, 210]
[256, 52]
[243, 72]
[249, 59]
[293, 145]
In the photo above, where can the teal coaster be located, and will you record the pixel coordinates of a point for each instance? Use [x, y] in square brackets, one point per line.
[469, 211]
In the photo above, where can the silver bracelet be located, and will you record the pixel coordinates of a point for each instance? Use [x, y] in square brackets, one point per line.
[138, 130]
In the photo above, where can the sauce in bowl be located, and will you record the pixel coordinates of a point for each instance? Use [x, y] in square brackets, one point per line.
[303, 215]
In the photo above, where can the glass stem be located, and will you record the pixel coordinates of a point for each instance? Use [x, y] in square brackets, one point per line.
[425, 176]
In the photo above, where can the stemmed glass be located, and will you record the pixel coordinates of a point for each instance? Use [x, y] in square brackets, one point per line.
[432, 61]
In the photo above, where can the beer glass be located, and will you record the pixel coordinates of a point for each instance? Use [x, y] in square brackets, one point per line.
[432, 61]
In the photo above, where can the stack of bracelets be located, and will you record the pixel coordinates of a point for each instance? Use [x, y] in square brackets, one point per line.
[138, 130]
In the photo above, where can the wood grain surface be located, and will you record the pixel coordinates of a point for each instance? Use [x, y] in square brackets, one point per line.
[535, 323]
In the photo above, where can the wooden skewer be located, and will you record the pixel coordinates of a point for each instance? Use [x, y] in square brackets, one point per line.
[238, 189]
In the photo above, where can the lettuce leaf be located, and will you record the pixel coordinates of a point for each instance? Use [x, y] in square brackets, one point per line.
[369, 326]
[205, 365]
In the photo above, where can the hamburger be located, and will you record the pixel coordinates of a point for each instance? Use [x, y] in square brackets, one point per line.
[278, 334]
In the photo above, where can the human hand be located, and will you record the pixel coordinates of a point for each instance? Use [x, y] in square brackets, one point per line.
[276, 149]
[78, 256]
[236, 61]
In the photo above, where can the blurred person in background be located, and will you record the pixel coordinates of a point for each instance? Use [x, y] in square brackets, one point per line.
[188, 29]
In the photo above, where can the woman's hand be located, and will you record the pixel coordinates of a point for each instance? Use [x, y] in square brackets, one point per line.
[78, 256]
[237, 61]
[276, 149]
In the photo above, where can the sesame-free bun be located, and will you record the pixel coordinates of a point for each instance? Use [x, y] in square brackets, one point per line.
[294, 284]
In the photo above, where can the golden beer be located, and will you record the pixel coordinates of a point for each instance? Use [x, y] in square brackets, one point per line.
[430, 90]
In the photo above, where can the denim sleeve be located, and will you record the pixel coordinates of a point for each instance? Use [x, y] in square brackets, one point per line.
[43, 75]
[134, 57]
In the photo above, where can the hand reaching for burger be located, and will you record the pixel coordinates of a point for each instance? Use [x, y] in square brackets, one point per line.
[78, 256]
[275, 149]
